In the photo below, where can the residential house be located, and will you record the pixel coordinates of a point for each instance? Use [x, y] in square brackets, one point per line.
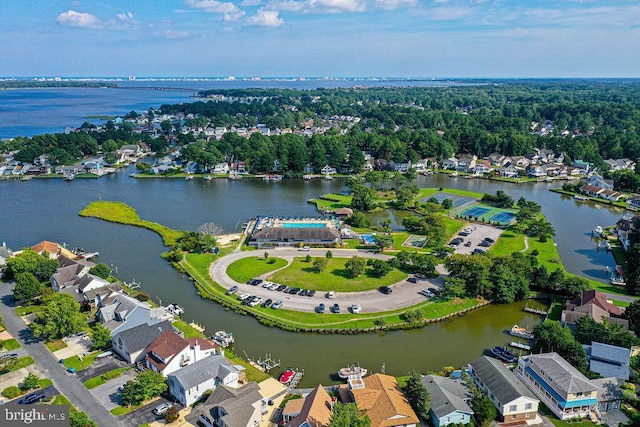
[381, 397]
[610, 195]
[130, 344]
[594, 304]
[620, 164]
[450, 163]
[508, 172]
[449, 400]
[482, 167]
[343, 213]
[314, 410]
[120, 312]
[585, 166]
[328, 170]
[610, 394]
[634, 200]
[609, 360]
[598, 181]
[51, 249]
[535, 171]
[466, 162]
[560, 386]
[421, 165]
[188, 384]
[220, 169]
[308, 169]
[497, 159]
[591, 190]
[233, 407]
[5, 254]
[69, 271]
[515, 402]
[170, 352]
[625, 228]
[518, 161]
[401, 167]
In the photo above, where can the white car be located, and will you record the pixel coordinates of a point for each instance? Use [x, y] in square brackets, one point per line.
[330, 295]
[355, 308]
[267, 284]
[255, 302]
[243, 297]
[427, 293]
[273, 286]
[305, 248]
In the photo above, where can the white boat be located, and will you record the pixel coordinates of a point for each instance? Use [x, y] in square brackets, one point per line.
[188, 178]
[222, 338]
[350, 371]
[454, 174]
[581, 198]
[598, 230]
[175, 309]
[520, 332]
[208, 177]
[328, 177]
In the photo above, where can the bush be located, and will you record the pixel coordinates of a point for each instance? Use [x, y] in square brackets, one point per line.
[171, 415]
[143, 296]
[11, 392]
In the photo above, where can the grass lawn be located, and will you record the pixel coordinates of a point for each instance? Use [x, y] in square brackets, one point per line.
[188, 331]
[77, 364]
[10, 344]
[245, 269]
[22, 362]
[620, 303]
[252, 373]
[45, 382]
[123, 214]
[508, 243]
[101, 379]
[428, 192]
[56, 345]
[62, 400]
[331, 202]
[333, 278]
[29, 309]
[453, 225]
[123, 410]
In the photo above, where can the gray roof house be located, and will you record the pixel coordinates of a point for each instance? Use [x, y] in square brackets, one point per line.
[610, 394]
[449, 399]
[131, 343]
[121, 312]
[189, 383]
[5, 254]
[609, 360]
[515, 402]
[276, 236]
[233, 407]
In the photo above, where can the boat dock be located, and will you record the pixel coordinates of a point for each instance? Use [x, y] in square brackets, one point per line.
[535, 311]
[267, 363]
[197, 327]
[296, 379]
[520, 345]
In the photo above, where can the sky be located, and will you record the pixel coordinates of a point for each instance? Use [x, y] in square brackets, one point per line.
[321, 38]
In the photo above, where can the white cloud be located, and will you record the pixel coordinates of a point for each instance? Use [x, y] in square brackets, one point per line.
[394, 4]
[173, 34]
[246, 3]
[265, 18]
[321, 6]
[229, 10]
[79, 19]
[447, 13]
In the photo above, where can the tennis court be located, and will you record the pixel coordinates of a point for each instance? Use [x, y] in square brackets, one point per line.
[456, 200]
[476, 211]
[503, 217]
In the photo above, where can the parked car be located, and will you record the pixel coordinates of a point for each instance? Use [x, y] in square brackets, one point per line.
[485, 244]
[294, 290]
[427, 293]
[385, 290]
[305, 248]
[232, 290]
[9, 356]
[303, 293]
[330, 295]
[412, 280]
[274, 286]
[243, 297]
[468, 243]
[267, 303]
[356, 308]
[320, 308]
[311, 292]
[255, 301]
[267, 284]
[281, 288]
[162, 408]
[335, 308]
[479, 251]
[489, 239]
[32, 398]
[276, 305]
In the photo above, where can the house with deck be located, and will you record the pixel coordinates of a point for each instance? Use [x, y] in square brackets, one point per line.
[170, 352]
[189, 383]
[130, 344]
[514, 402]
[560, 386]
[233, 407]
[5, 254]
[450, 400]
[609, 360]
[313, 410]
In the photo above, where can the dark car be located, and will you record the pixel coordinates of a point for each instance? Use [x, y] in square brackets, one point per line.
[385, 290]
[489, 239]
[468, 243]
[320, 308]
[267, 303]
[485, 244]
[32, 398]
[281, 288]
[479, 251]
[311, 293]
[232, 290]
[303, 293]
[294, 290]
[335, 308]
[412, 280]
[9, 356]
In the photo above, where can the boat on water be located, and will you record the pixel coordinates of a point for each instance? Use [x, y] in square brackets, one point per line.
[353, 370]
[175, 309]
[188, 178]
[208, 177]
[223, 338]
[69, 177]
[328, 177]
[503, 354]
[597, 231]
[520, 332]
[581, 198]
[272, 178]
[287, 376]
[617, 276]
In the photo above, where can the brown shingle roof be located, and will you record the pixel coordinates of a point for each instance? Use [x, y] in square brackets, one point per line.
[316, 409]
[166, 346]
[49, 247]
[384, 402]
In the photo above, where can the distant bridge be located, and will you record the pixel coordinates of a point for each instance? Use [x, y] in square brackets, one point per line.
[160, 88]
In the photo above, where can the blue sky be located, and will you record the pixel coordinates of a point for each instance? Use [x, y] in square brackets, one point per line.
[408, 38]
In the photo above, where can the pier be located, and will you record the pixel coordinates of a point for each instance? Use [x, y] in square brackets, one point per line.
[197, 327]
[296, 379]
[520, 345]
[535, 311]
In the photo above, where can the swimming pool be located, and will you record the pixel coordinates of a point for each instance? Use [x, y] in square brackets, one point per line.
[368, 239]
[303, 225]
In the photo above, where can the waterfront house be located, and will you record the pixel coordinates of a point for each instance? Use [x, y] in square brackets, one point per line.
[189, 383]
[380, 396]
[233, 407]
[5, 254]
[497, 159]
[518, 161]
[402, 167]
[220, 169]
[634, 200]
[343, 213]
[560, 386]
[308, 169]
[450, 163]
[130, 344]
[170, 352]
[482, 167]
[625, 227]
[314, 410]
[610, 394]
[594, 304]
[328, 170]
[610, 195]
[119, 312]
[608, 360]
[598, 181]
[535, 171]
[508, 172]
[515, 402]
[51, 249]
[620, 164]
[69, 271]
[449, 400]
[591, 190]
[466, 162]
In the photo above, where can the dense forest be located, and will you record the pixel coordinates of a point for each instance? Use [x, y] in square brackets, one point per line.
[587, 120]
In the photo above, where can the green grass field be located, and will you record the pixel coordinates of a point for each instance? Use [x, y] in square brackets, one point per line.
[334, 278]
[56, 345]
[77, 364]
[331, 202]
[245, 269]
[121, 213]
[10, 344]
[428, 192]
[508, 243]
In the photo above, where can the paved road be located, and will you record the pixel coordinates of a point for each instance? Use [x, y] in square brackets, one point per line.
[66, 383]
[405, 294]
[617, 297]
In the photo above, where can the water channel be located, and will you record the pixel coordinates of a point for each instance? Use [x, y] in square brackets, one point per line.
[47, 209]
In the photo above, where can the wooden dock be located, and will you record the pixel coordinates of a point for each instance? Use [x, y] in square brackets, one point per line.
[520, 345]
[535, 311]
[197, 327]
[296, 379]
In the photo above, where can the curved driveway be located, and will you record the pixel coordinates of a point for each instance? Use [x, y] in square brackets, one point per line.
[405, 294]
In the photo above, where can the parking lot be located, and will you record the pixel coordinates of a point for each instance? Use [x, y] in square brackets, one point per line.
[476, 237]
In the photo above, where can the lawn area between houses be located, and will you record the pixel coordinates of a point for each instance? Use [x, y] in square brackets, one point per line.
[56, 345]
[121, 213]
[101, 379]
[10, 344]
[76, 363]
[334, 277]
[245, 269]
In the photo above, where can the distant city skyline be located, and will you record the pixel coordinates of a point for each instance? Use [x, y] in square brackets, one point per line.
[317, 38]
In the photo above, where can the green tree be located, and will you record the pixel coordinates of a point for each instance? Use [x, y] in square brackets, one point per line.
[632, 314]
[418, 395]
[146, 385]
[307, 258]
[30, 382]
[100, 337]
[455, 287]
[380, 267]
[29, 261]
[362, 197]
[348, 415]
[358, 220]
[355, 266]
[80, 419]
[171, 415]
[382, 241]
[59, 318]
[328, 255]
[319, 264]
[143, 166]
[27, 287]
[551, 336]
[483, 410]
[447, 204]
[101, 270]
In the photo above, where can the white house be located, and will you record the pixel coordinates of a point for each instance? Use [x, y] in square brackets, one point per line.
[328, 170]
[450, 163]
[170, 352]
[189, 383]
[221, 168]
[130, 344]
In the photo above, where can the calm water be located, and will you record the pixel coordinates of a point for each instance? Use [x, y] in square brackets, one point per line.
[43, 209]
